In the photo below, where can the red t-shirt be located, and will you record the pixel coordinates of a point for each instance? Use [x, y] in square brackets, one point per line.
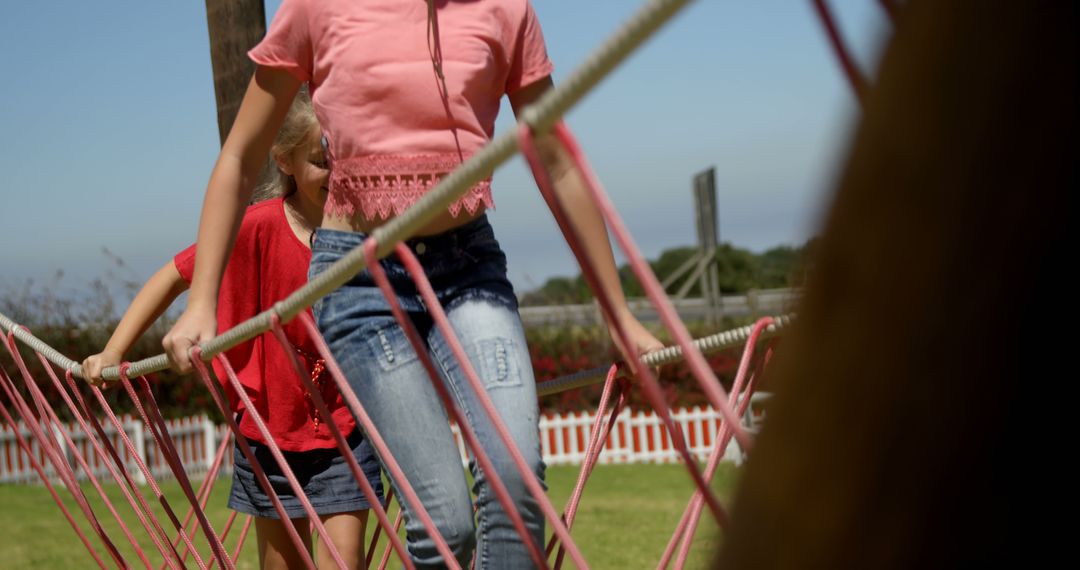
[268, 263]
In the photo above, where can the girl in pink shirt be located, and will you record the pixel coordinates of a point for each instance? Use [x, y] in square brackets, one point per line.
[406, 91]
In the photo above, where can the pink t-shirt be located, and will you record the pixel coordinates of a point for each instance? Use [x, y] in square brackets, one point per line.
[379, 99]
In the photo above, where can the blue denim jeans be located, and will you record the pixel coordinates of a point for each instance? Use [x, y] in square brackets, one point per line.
[467, 269]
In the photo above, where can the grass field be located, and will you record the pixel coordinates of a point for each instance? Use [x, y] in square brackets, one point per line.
[626, 517]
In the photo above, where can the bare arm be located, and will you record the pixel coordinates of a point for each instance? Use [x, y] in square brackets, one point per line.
[155, 296]
[235, 174]
[584, 216]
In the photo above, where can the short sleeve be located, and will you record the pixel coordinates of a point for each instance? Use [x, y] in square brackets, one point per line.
[529, 61]
[287, 44]
[185, 263]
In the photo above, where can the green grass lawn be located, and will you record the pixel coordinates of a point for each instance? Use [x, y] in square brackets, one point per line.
[626, 517]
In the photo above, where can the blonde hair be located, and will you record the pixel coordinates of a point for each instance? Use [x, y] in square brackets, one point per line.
[300, 128]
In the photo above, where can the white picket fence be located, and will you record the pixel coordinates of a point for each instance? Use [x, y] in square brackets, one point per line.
[638, 437]
[196, 440]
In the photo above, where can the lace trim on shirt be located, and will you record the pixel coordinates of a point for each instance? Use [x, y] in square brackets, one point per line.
[386, 185]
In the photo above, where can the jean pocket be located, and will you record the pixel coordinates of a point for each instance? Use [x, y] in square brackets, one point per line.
[500, 365]
[389, 346]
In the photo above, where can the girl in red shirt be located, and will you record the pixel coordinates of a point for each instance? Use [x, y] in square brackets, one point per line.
[269, 262]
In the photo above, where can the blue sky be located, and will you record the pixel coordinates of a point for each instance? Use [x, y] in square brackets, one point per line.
[109, 130]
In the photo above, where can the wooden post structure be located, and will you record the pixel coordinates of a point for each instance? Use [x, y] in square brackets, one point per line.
[702, 265]
[235, 26]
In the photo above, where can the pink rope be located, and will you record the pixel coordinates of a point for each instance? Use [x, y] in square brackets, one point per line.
[601, 429]
[49, 418]
[343, 445]
[49, 445]
[38, 395]
[388, 461]
[650, 385]
[600, 432]
[218, 396]
[386, 553]
[275, 451]
[31, 422]
[438, 315]
[168, 451]
[205, 489]
[133, 453]
[722, 439]
[225, 533]
[243, 535]
[117, 467]
[467, 432]
[176, 464]
[25, 447]
[378, 530]
[851, 71]
[688, 523]
[655, 292]
[693, 513]
[228, 527]
[687, 527]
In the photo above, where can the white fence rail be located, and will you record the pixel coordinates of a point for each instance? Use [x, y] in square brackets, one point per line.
[638, 437]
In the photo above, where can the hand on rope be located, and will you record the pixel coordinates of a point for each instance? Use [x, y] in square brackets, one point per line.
[644, 342]
[579, 218]
[94, 365]
[564, 186]
[195, 326]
